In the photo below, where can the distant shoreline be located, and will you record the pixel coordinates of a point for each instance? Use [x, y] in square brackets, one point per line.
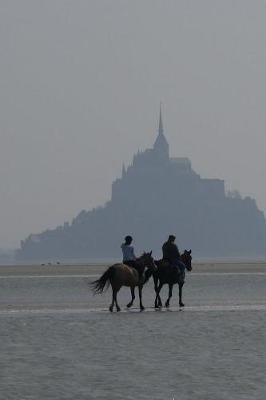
[98, 268]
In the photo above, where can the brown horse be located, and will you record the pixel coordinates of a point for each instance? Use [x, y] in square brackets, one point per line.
[119, 275]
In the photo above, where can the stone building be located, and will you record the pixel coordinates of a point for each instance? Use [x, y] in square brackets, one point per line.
[156, 196]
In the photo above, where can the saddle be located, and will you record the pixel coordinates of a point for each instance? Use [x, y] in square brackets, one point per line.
[174, 268]
[165, 263]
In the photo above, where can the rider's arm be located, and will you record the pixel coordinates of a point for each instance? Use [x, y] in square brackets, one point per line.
[165, 251]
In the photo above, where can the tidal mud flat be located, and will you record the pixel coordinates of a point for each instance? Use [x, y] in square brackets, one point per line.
[58, 287]
[60, 342]
[94, 268]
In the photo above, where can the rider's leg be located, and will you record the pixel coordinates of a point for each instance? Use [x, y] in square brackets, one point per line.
[132, 264]
[129, 263]
[182, 269]
[175, 266]
[181, 266]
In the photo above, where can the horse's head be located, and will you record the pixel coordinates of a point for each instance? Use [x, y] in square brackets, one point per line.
[187, 258]
[148, 261]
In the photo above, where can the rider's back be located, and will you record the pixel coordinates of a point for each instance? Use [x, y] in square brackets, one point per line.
[128, 252]
[170, 251]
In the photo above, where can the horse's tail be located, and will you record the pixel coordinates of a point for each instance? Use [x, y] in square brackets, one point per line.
[103, 282]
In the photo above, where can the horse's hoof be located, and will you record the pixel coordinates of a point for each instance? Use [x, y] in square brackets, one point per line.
[129, 305]
[142, 308]
[111, 309]
[167, 305]
[118, 309]
[181, 305]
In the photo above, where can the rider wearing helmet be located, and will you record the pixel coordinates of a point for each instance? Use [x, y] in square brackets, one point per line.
[129, 257]
[172, 255]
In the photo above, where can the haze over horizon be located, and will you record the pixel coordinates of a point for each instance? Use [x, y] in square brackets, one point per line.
[81, 83]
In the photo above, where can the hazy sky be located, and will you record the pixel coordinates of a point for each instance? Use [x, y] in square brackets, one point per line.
[80, 87]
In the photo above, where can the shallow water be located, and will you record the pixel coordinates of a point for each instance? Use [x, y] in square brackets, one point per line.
[60, 342]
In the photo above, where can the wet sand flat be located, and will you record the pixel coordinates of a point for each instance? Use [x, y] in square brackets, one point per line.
[61, 342]
[95, 269]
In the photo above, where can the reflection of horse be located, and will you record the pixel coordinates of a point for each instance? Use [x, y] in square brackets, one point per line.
[119, 275]
[167, 274]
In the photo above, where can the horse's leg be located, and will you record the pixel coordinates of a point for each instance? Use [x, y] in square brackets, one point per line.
[133, 297]
[140, 298]
[169, 295]
[158, 301]
[155, 280]
[113, 301]
[158, 298]
[181, 304]
[115, 297]
[160, 304]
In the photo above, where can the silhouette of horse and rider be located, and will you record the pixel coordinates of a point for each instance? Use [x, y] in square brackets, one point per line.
[136, 271]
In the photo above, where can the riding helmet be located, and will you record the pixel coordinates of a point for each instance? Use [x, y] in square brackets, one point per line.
[128, 239]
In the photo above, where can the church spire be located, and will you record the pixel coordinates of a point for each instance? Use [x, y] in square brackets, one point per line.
[161, 146]
[160, 121]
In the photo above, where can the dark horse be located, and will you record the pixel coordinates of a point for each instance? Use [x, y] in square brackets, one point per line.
[119, 275]
[167, 274]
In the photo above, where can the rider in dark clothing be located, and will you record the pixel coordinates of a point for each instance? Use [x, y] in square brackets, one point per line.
[170, 250]
[172, 255]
